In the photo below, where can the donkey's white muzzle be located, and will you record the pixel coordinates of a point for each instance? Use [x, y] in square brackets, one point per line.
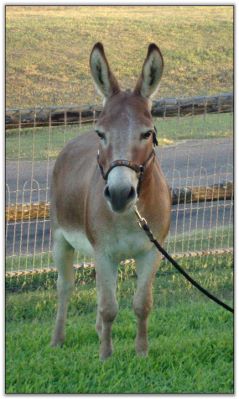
[121, 189]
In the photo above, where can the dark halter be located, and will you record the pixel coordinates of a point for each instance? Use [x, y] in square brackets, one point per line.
[139, 169]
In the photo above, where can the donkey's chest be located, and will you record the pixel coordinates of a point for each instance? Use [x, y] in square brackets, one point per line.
[125, 241]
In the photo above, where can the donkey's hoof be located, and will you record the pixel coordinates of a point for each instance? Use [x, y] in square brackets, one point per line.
[142, 353]
[57, 341]
[57, 344]
[105, 352]
[105, 356]
[141, 348]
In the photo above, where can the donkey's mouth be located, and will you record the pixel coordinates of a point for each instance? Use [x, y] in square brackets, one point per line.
[120, 199]
[124, 210]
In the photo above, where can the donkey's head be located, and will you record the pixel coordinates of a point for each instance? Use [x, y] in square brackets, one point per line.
[125, 127]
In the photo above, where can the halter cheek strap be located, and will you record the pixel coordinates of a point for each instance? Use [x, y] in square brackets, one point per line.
[139, 169]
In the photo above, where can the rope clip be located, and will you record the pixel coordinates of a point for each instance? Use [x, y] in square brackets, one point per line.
[141, 221]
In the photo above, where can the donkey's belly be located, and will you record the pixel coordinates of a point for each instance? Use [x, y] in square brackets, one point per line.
[119, 244]
[78, 240]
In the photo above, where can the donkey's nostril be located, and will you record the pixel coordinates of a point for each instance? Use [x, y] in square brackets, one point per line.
[107, 192]
[132, 193]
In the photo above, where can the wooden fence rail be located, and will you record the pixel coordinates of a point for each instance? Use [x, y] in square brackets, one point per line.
[167, 107]
[41, 210]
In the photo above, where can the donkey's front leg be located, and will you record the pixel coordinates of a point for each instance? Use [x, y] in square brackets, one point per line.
[63, 258]
[106, 278]
[146, 267]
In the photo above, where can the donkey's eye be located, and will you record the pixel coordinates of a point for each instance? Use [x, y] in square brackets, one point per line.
[100, 134]
[146, 135]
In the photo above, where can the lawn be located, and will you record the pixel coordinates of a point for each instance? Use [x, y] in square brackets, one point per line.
[48, 48]
[46, 143]
[191, 338]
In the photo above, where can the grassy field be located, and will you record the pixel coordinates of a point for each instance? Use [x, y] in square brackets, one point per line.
[44, 143]
[191, 339]
[47, 50]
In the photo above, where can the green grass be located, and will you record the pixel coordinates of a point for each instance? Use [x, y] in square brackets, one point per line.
[45, 143]
[48, 48]
[191, 339]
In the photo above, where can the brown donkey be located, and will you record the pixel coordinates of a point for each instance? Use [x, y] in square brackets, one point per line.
[93, 198]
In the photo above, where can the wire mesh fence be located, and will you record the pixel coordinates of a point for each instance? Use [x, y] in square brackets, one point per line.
[196, 155]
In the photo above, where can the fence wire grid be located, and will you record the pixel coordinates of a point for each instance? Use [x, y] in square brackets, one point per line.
[194, 151]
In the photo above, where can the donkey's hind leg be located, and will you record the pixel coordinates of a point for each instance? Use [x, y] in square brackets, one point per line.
[63, 258]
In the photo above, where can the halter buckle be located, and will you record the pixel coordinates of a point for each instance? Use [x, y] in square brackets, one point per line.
[141, 169]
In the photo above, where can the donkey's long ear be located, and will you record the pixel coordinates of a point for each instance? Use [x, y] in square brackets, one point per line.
[105, 81]
[152, 71]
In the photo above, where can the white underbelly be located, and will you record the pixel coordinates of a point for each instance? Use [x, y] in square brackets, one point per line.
[119, 243]
[78, 240]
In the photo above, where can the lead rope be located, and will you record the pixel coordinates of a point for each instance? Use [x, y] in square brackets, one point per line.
[144, 225]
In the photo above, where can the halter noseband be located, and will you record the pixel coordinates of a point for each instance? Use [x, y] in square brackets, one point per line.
[139, 169]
